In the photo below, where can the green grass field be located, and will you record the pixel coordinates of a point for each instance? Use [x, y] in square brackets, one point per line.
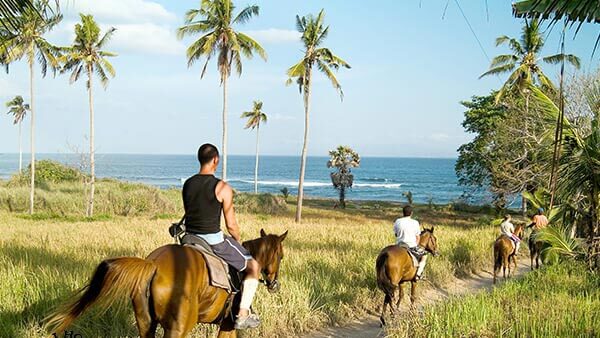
[327, 274]
[561, 300]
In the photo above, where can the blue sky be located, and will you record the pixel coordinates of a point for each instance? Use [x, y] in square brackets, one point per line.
[410, 70]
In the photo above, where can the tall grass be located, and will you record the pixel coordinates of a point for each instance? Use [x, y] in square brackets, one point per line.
[556, 301]
[327, 273]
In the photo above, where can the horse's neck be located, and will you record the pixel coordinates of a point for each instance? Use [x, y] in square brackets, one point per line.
[257, 249]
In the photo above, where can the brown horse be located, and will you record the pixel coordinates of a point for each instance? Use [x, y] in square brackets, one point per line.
[394, 267]
[535, 249]
[504, 253]
[170, 287]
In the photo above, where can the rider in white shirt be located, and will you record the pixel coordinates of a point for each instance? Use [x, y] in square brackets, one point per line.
[408, 232]
[508, 229]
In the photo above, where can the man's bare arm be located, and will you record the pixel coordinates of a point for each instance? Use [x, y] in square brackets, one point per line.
[225, 195]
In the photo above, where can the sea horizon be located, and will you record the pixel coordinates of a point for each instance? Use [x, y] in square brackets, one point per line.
[378, 178]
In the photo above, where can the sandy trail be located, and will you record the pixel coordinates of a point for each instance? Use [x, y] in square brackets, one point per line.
[369, 327]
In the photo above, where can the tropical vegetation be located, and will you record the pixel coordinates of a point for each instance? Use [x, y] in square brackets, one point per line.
[523, 63]
[313, 36]
[255, 117]
[215, 21]
[86, 56]
[24, 38]
[343, 159]
[18, 109]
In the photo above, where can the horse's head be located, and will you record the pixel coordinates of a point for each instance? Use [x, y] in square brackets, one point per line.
[429, 241]
[519, 231]
[268, 252]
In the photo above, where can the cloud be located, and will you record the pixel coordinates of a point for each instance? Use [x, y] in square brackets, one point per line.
[146, 38]
[274, 35]
[128, 11]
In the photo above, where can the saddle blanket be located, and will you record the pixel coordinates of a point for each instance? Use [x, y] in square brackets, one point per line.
[218, 270]
[414, 253]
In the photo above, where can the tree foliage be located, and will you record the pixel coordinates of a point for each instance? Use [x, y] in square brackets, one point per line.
[215, 21]
[86, 55]
[523, 63]
[314, 32]
[343, 158]
[17, 108]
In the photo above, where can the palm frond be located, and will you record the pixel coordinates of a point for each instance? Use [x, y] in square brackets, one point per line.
[568, 58]
[246, 14]
[504, 59]
[559, 243]
[324, 68]
[499, 70]
[251, 45]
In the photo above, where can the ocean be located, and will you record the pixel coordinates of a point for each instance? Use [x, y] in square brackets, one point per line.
[377, 178]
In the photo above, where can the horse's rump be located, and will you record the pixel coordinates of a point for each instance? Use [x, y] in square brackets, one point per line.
[182, 277]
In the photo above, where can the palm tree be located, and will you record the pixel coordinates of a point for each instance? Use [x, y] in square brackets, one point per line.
[18, 109]
[26, 39]
[523, 66]
[343, 159]
[578, 189]
[523, 63]
[255, 118]
[215, 20]
[313, 35]
[86, 56]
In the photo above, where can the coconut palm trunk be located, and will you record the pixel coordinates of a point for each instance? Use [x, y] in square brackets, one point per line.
[256, 162]
[304, 147]
[90, 208]
[20, 148]
[31, 136]
[224, 128]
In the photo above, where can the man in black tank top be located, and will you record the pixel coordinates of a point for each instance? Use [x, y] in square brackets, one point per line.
[204, 198]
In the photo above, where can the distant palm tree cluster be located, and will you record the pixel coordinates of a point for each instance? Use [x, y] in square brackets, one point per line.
[24, 38]
[24, 23]
[214, 22]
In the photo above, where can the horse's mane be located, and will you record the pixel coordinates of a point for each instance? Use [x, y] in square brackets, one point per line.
[263, 249]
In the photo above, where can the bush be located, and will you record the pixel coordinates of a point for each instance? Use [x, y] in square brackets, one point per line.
[260, 204]
[47, 171]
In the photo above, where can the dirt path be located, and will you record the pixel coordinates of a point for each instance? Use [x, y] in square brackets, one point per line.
[369, 327]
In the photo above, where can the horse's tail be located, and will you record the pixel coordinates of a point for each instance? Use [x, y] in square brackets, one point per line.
[498, 256]
[113, 279]
[383, 280]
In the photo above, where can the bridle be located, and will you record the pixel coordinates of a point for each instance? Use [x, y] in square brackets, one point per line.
[272, 285]
[426, 247]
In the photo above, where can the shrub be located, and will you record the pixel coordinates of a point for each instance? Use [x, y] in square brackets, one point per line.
[260, 204]
[47, 171]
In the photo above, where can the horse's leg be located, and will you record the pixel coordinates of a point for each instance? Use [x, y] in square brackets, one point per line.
[145, 323]
[187, 317]
[386, 300]
[413, 294]
[515, 264]
[227, 329]
[531, 258]
[400, 295]
[504, 265]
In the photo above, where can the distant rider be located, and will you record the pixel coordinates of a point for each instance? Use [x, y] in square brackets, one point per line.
[508, 229]
[539, 221]
[204, 198]
[408, 233]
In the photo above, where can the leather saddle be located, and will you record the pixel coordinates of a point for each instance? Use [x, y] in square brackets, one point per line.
[220, 273]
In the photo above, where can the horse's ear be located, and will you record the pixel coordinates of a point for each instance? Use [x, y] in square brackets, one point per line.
[283, 236]
[263, 233]
[432, 228]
